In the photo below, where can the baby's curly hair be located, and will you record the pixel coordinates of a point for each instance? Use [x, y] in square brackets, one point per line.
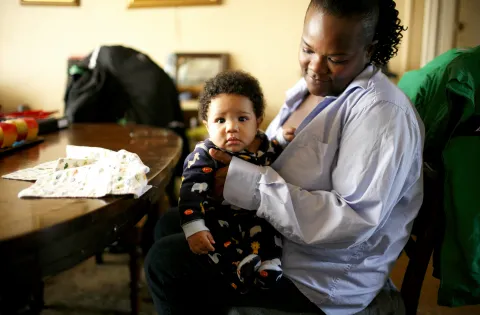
[232, 82]
[380, 19]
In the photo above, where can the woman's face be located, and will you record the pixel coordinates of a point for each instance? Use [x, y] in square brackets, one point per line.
[333, 51]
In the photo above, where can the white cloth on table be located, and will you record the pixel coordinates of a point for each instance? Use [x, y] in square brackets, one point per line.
[87, 172]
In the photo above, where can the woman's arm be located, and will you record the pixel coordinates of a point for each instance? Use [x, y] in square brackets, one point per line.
[377, 152]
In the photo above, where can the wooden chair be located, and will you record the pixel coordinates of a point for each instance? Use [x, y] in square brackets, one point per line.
[428, 226]
[420, 246]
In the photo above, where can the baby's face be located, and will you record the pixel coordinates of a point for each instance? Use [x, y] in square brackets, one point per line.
[232, 124]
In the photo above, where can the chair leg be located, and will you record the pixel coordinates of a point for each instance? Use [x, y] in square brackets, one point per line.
[99, 258]
[134, 266]
[38, 297]
[170, 192]
[416, 272]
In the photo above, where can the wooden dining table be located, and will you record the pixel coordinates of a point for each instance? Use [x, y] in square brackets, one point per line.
[41, 237]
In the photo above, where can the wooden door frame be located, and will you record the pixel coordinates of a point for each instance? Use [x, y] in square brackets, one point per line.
[440, 25]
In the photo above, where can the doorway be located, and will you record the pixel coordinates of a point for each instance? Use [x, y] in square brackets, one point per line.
[468, 25]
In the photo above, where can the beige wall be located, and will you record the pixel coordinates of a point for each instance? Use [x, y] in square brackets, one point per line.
[262, 37]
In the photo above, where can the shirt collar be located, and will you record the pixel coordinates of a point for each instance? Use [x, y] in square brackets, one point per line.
[299, 90]
[363, 78]
[296, 93]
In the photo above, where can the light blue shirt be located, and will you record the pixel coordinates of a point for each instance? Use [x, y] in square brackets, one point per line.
[344, 193]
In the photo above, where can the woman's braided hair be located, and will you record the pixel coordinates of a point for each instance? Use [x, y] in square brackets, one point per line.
[380, 19]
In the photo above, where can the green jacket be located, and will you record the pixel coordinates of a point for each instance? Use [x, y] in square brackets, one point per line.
[447, 82]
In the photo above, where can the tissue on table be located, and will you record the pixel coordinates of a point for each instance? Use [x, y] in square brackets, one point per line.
[86, 172]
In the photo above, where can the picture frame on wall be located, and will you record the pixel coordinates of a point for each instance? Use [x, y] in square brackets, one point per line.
[51, 2]
[191, 70]
[169, 3]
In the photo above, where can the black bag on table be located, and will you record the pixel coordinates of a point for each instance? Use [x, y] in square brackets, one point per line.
[116, 82]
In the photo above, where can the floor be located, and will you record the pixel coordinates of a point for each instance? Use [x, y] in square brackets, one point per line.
[91, 289]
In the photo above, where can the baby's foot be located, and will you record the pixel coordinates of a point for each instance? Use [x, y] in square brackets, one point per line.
[269, 273]
[238, 287]
[247, 267]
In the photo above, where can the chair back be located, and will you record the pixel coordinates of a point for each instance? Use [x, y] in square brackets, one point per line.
[428, 227]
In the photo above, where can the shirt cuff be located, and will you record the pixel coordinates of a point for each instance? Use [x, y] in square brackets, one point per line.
[280, 138]
[241, 184]
[193, 227]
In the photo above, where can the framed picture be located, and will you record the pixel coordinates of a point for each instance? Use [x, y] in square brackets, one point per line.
[168, 3]
[193, 69]
[51, 2]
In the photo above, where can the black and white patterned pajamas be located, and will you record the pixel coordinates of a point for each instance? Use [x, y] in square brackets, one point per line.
[247, 248]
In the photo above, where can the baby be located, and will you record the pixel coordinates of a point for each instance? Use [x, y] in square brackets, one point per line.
[245, 248]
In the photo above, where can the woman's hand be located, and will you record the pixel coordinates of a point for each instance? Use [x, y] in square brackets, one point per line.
[220, 174]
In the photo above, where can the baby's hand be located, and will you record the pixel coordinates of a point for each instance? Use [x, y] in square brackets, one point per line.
[289, 133]
[201, 242]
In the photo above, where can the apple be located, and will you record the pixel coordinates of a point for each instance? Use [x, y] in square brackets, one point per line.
[32, 126]
[22, 128]
[8, 134]
[27, 128]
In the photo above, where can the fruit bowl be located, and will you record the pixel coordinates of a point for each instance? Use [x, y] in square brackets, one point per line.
[37, 114]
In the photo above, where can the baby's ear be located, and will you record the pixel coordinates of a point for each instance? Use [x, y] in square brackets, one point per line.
[259, 122]
[205, 123]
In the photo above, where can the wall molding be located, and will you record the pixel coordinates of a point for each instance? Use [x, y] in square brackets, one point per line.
[448, 27]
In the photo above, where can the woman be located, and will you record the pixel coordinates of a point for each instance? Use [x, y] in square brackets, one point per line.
[344, 193]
